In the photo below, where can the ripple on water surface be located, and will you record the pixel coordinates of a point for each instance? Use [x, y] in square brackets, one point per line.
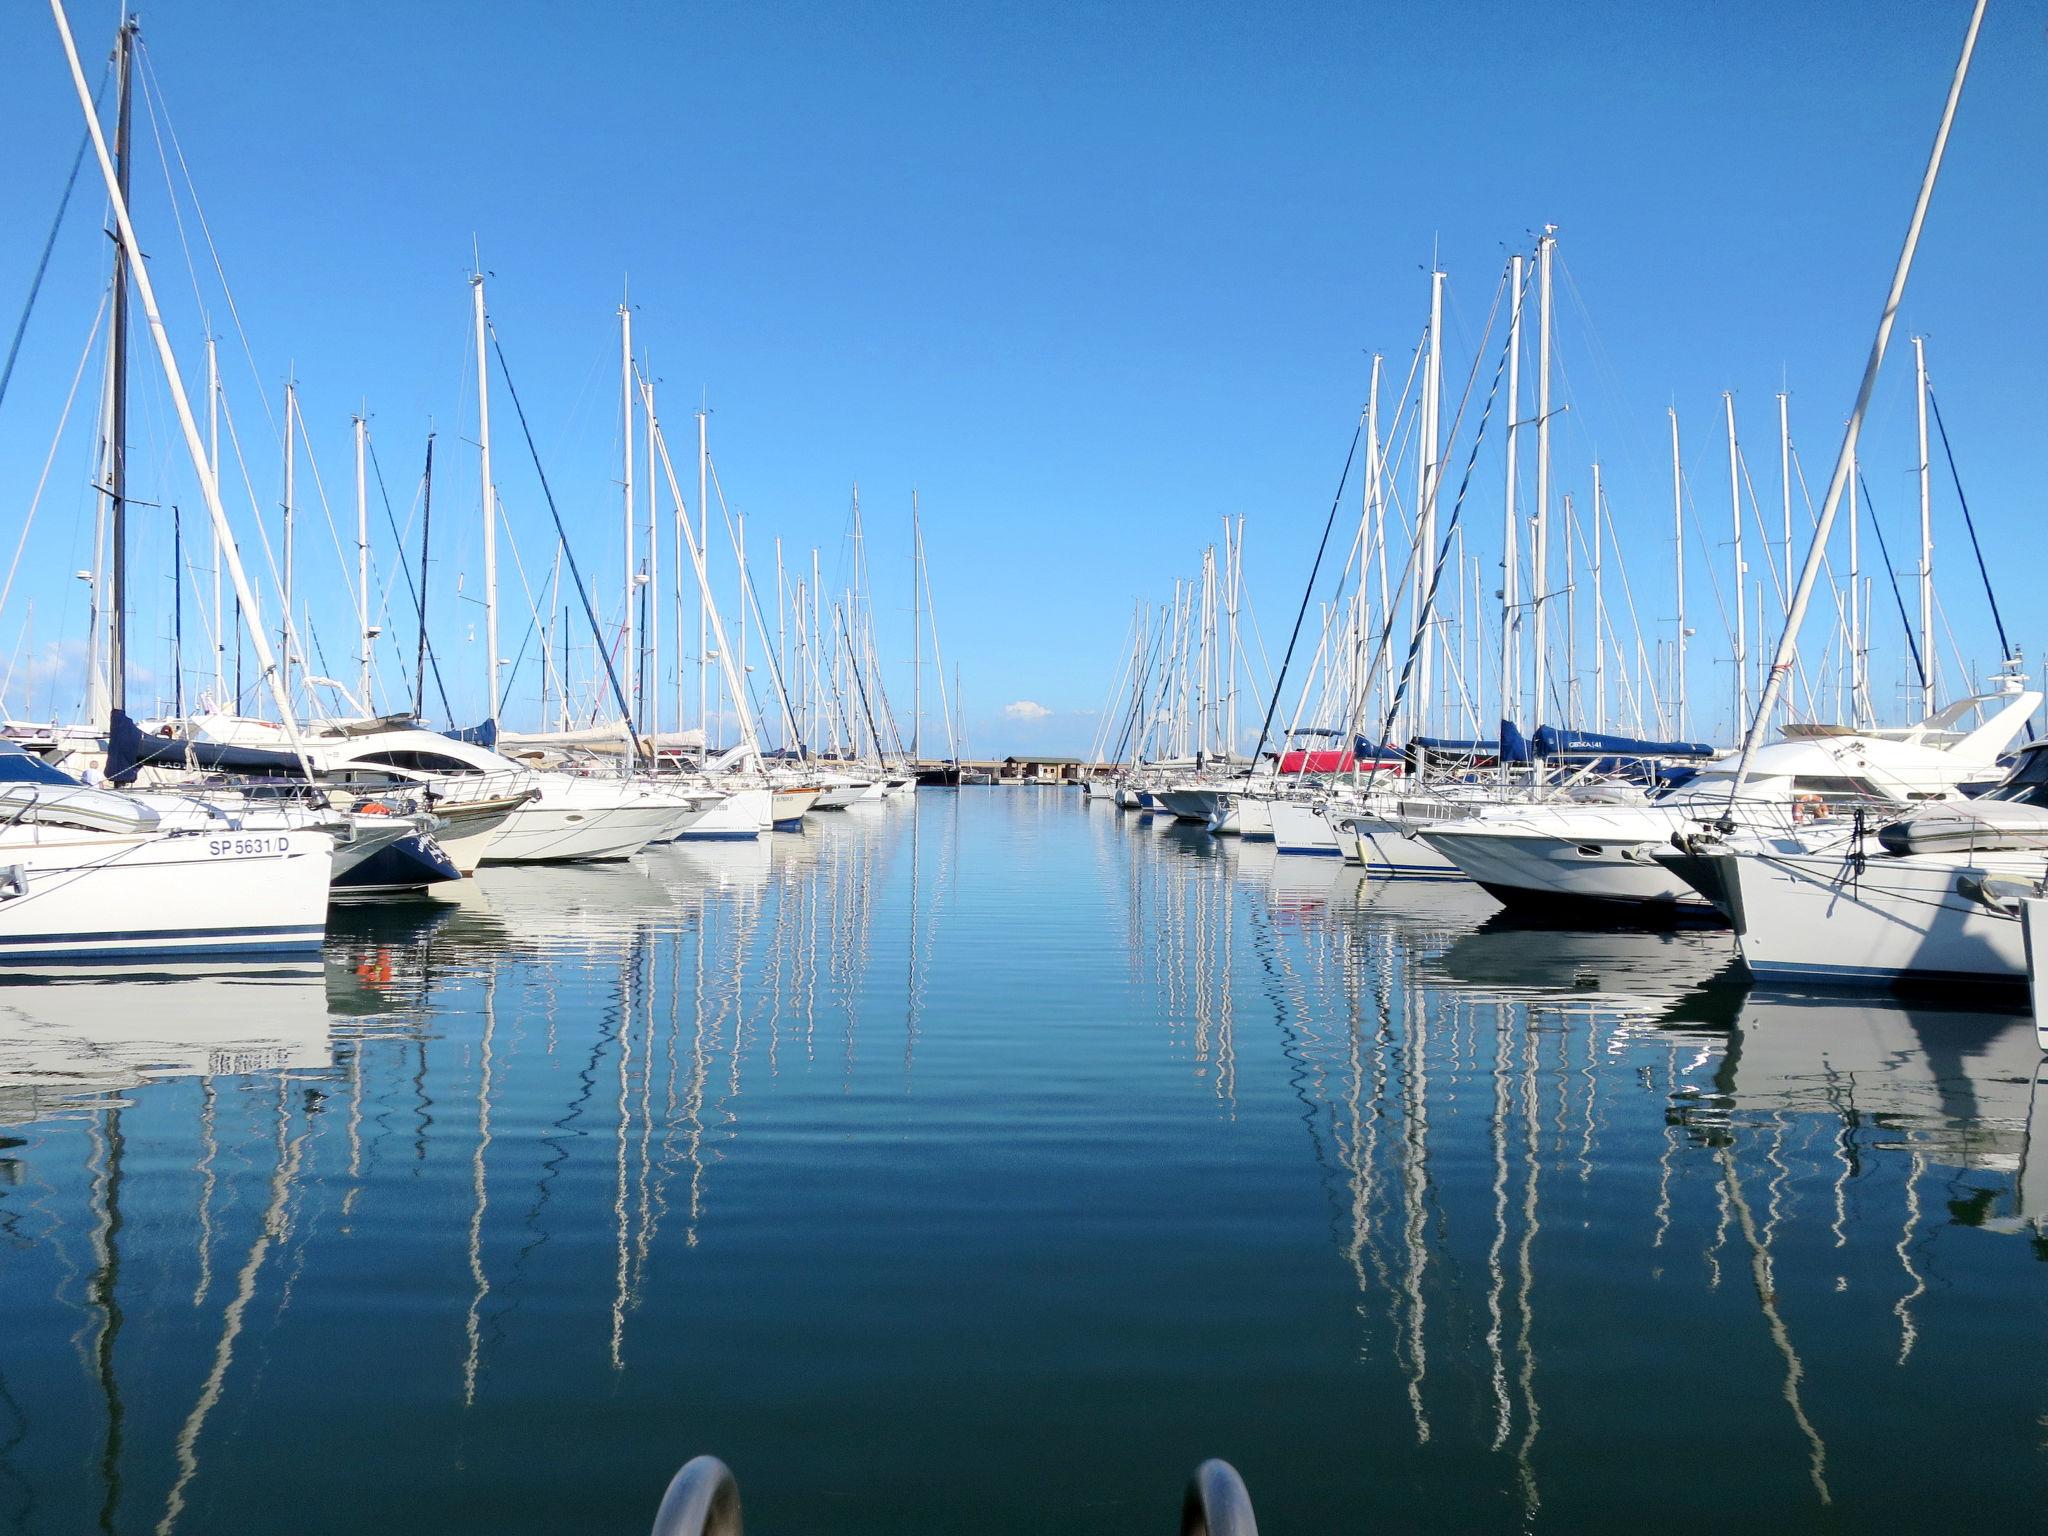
[998, 1155]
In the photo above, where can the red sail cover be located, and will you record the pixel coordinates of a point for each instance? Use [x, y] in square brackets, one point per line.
[1329, 760]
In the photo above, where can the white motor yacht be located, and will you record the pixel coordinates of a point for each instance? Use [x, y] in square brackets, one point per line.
[1598, 844]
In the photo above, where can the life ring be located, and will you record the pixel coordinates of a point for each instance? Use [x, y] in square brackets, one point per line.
[1809, 808]
[373, 808]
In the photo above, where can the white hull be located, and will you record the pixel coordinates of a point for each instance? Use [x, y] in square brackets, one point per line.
[467, 833]
[1390, 853]
[97, 896]
[1300, 828]
[837, 797]
[1818, 918]
[582, 819]
[792, 805]
[1190, 803]
[743, 813]
[1519, 866]
[1245, 816]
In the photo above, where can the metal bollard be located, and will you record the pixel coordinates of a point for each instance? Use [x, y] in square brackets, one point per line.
[702, 1500]
[1216, 1503]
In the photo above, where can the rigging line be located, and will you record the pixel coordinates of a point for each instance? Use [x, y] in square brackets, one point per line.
[1884, 553]
[171, 187]
[582, 591]
[761, 621]
[1388, 476]
[206, 230]
[35, 286]
[320, 489]
[1436, 575]
[35, 501]
[411, 587]
[1976, 548]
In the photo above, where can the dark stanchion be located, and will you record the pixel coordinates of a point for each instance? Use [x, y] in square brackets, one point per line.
[702, 1500]
[1216, 1503]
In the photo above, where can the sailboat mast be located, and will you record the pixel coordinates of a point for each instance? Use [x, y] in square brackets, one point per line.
[483, 448]
[419, 674]
[1857, 700]
[1781, 662]
[145, 291]
[117, 418]
[291, 415]
[1425, 496]
[1599, 611]
[220, 641]
[1741, 570]
[650, 686]
[630, 636]
[704, 593]
[1678, 527]
[1926, 572]
[1539, 577]
[1785, 482]
[916, 633]
[1510, 535]
[368, 638]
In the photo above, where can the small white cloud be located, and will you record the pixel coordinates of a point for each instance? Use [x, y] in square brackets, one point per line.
[1025, 709]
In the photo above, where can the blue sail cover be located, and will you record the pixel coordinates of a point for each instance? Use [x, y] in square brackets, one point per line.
[1552, 744]
[1514, 746]
[484, 735]
[1452, 746]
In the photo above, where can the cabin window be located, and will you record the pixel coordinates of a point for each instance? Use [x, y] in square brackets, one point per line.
[2028, 784]
[417, 762]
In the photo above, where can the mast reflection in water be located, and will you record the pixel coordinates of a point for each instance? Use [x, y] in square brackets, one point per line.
[999, 1136]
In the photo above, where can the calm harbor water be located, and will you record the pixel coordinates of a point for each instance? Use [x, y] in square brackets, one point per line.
[994, 1158]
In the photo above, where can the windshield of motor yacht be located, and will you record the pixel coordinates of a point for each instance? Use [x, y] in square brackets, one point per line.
[1716, 783]
[2028, 782]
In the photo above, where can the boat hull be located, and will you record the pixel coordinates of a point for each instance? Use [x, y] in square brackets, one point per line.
[94, 897]
[1838, 920]
[744, 813]
[1534, 869]
[1300, 828]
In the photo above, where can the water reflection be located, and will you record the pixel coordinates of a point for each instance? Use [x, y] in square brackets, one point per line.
[748, 1145]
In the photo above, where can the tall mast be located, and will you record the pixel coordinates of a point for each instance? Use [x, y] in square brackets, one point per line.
[173, 379]
[117, 418]
[483, 448]
[916, 631]
[1539, 575]
[630, 646]
[419, 674]
[1376, 492]
[1574, 705]
[1510, 537]
[1678, 527]
[368, 636]
[1425, 499]
[704, 587]
[220, 639]
[650, 686]
[1785, 480]
[1741, 570]
[291, 417]
[1781, 663]
[1926, 572]
[1234, 589]
[1599, 611]
[1857, 709]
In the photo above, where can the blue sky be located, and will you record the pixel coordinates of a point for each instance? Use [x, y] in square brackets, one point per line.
[1090, 277]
